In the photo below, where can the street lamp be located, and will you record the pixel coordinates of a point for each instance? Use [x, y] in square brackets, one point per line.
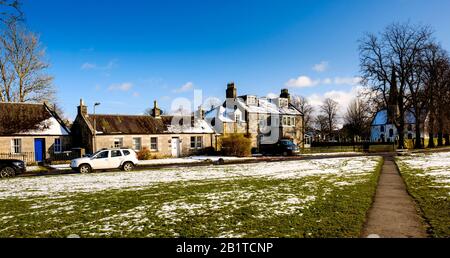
[95, 128]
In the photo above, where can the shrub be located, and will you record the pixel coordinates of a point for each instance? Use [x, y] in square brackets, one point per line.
[236, 145]
[144, 154]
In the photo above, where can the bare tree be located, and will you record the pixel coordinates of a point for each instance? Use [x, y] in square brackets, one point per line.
[10, 10]
[321, 125]
[303, 105]
[436, 65]
[329, 109]
[23, 67]
[390, 60]
[357, 119]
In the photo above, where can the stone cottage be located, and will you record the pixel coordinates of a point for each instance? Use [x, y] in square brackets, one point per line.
[264, 120]
[165, 136]
[32, 132]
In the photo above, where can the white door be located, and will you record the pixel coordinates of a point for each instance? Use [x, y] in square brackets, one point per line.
[176, 147]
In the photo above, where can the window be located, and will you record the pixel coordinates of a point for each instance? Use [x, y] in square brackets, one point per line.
[116, 153]
[118, 143]
[102, 155]
[57, 147]
[16, 146]
[410, 127]
[154, 143]
[382, 129]
[289, 121]
[126, 152]
[196, 142]
[199, 142]
[137, 144]
[391, 132]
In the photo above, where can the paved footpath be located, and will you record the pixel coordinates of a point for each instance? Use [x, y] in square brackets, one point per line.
[393, 213]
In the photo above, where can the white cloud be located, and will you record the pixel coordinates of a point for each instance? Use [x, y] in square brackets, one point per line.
[327, 81]
[272, 95]
[92, 66]
[126, 86]
[136, 94]
[186, 87]
[321, 67]
[88, 66]
[306, 82]
[302, 82]
[343, 98]
[347, 80]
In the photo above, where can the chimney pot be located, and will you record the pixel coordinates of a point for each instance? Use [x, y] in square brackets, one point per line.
[156, 112]
[82, 109]
[231, 92]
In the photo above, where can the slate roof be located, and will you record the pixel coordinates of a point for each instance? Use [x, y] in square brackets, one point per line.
[264, 106]
[144, 124]
[30, 118]
[381, 118]
[127, 124]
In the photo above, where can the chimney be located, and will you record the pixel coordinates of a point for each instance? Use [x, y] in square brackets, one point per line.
[201, 113]
[231, 91]
[156, 112]
[82, 109]
[285, 94]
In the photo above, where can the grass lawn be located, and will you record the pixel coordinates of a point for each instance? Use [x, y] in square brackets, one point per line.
[427, 177]
[315, 198]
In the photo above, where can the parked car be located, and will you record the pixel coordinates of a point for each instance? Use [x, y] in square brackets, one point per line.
[283, 147]
[124, 159]
[11, 167]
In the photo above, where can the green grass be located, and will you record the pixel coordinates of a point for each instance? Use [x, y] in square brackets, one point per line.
[432, 198]
[312, 206]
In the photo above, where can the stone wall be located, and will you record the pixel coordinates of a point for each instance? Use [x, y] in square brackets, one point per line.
[164, 142]
[28, 145]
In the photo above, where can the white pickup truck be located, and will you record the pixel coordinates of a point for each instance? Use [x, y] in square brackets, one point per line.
[124, 159]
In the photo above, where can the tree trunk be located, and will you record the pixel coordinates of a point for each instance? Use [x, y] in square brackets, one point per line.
[440, 134]
[447, 139]
[431, 141]
[440, 139]
[418, 144]
[431, 131]
[401, 135]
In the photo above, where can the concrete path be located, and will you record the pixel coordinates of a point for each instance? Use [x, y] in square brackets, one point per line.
[393, 213]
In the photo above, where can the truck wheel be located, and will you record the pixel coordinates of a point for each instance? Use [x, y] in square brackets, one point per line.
[85, 169]
[7, 172]
[128, 166]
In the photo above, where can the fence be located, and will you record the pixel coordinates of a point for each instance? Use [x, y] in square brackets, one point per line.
[29, 157]
[329, 147]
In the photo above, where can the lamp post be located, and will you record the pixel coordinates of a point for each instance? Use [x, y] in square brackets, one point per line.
[95, 128]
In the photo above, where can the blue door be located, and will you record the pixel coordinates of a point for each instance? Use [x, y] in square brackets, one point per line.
[39, 150]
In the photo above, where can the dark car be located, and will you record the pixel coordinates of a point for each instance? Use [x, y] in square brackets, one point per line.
[283, 147]
[11, 167]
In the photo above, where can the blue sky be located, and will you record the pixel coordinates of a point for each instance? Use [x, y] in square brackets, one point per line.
[125, 54]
